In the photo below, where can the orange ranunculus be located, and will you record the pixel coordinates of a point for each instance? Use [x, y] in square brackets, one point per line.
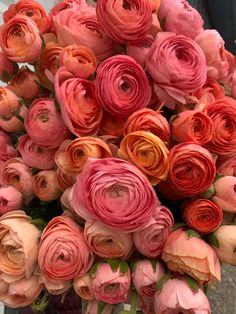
[83, 287]
[148, 153]
[20, 39]
[210, 92]
[63, 181]
[72, 155]
[79, 60]
[111, 125]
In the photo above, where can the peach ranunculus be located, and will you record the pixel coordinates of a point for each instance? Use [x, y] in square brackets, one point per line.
[177, 296]
[10, 199]
[55, 287]
[35, 156]
[227, 165]
[125, 22]
[64, 181]
[93, 307]
[212, 44]
[147, 152]
[223, 114]
[192, 255]
[44, 124]
[20, 39]
[148, 120]
[226, 236]
[151, 239]
[15, 172]
[44, 186]
[202, 215]
[81, 27]
[192, 126]
[72, 155]
[145, 277]
[7, 68]
[83, 287]
[29, 8]
[107, 243]
[192, 169]
[111, 125]
[79, 60]
[20, 83]
[19, 246]
[111, 286]
[79, 108]
[225, 193]
[12, 112]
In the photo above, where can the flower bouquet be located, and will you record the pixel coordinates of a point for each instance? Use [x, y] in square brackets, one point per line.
[117, 157]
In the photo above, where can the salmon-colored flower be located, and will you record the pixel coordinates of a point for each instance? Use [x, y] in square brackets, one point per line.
[10, 199]
[7, 68]
[83, 287]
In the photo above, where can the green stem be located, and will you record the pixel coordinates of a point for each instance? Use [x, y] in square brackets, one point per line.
[134, 302]
[84, 305]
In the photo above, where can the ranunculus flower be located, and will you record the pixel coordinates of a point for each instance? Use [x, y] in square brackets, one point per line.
[7, 68]
[150, 240]
[29, 8]
[79, 60]
[145, 277]
[146, 305]
[191, 255]
[202, 215]
[212, 44]
[35, 156]
[192, 169]
[55, 287]
[5, 138]
[226, 236]
[111, 286]
[63, 180]
[115, 193]
[226, 165]
[15, 172]
[192, 126]
[177, 297]
[111, 125]
[107, 243]
[63, 252]
[81, 27]
[7, 152]
[181, 18]
[22, 292]
[148, 120]
[210, 92]
[125, 22]
[140, 51]
[177, 65]
[18, 246]
[44, 124]
[83, 287]
[20, 39]
[10, 199]
[93, 307]
[20, 83]
[44, 186]
[147, 152]
[79, 108]
[122, 86]
[223, 114]
[72, 155]
[11, 111]
[225, 193]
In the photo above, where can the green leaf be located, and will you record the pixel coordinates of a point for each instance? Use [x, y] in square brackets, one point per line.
[39, 223]
[40, 304]
[212, 239]
[191, 283]
[192, 233]
[209, 193]
[162, 281]
[5, 76]
[133, 266]
[154, 265]
[84, 306]
[134, 302]
[178, 225]
[218, 176]
[94, 269]
[114, 264]
[101, 306]
[124, 268]
[205, 289]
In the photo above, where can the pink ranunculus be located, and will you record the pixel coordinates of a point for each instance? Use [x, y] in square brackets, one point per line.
[107, 243]
[177, 297]
[93, 307]
[145, 277]
[7, 68]
[122, 86]
[114, 192]
[140, 51]
[226, 165]
[181, 18]
[212, 44]
[191, 255]
[125, 22]
[225, 193]
[44, 124]
[111, 286]
[177, 65]
[55, 287]
[63, 252]
[20, 39]
[15, 172]
[10, 199]
[81, 27]
[35, 156]
[7, 152]
[150, 240]
[22, 292]
[5, 138]
[83, 287]
[79, 108]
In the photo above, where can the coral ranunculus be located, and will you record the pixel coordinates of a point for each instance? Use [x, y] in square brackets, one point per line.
[10, 199]
[225, 193]
[7, 68]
